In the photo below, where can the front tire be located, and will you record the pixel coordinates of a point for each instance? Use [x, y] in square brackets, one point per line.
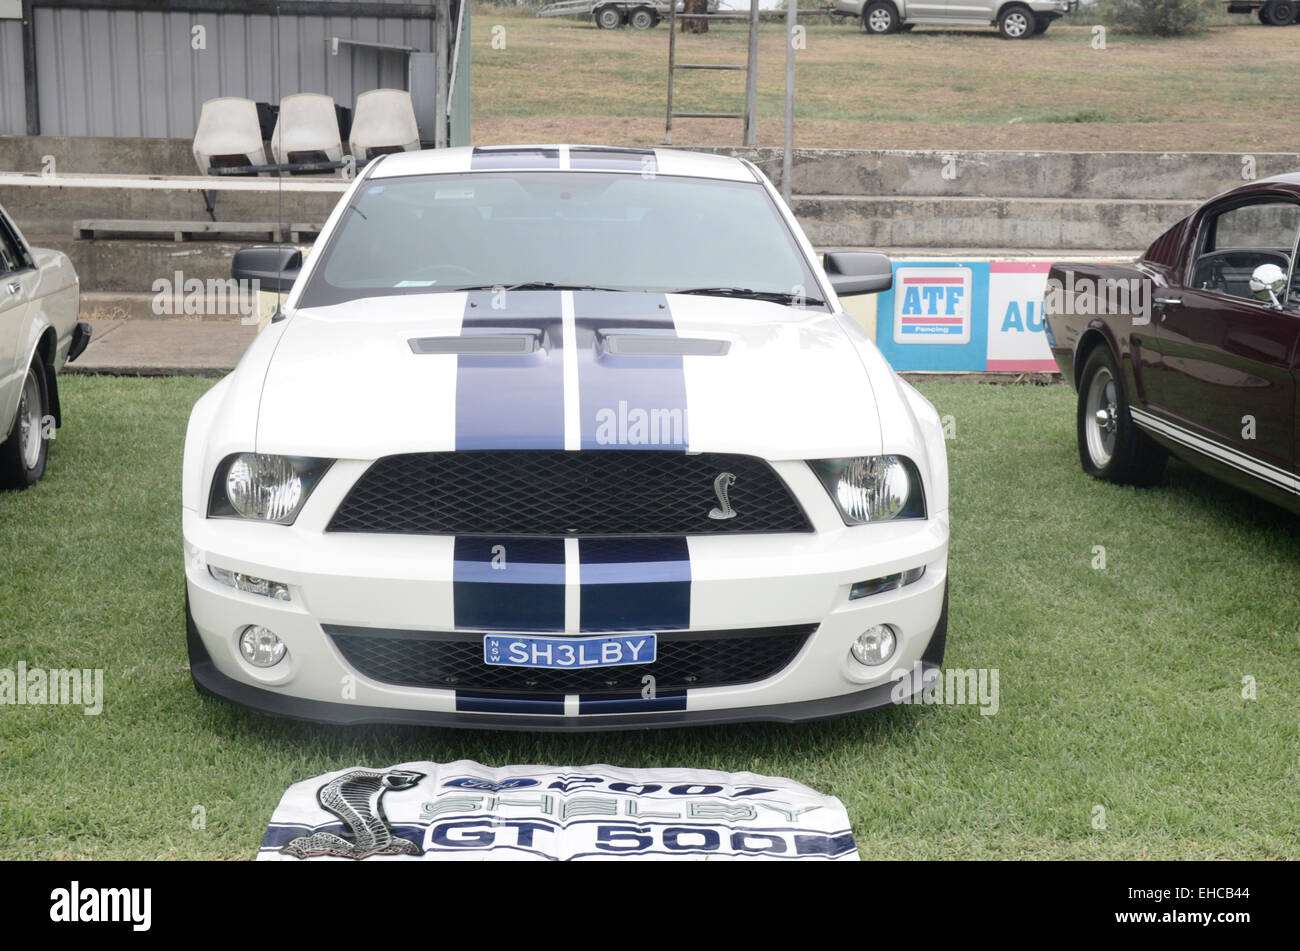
[1017, 23]
[24, 453]
[880, 18]
[1111, 447]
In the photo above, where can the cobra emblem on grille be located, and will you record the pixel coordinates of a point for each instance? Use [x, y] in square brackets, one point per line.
[721, 485]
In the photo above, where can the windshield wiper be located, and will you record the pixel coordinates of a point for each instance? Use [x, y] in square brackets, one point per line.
[777, 297]
[533, 286]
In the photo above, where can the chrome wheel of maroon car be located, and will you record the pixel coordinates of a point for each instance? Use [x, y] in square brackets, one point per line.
[1111, 446]
[1100, 418]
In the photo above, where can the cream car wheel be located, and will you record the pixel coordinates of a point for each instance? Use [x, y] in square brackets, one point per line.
[23, 454]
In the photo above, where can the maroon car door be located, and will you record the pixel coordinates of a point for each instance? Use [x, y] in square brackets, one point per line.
[1225, 371]
[1224, 368]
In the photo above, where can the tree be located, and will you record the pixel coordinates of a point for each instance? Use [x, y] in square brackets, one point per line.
[694, 24]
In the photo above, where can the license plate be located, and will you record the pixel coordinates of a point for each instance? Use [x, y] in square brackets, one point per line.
[568, 653]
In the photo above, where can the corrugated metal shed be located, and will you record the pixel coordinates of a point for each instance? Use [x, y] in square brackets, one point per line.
[13, 116]
[147, 72]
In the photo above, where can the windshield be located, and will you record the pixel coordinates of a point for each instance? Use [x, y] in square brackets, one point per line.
[441, 233]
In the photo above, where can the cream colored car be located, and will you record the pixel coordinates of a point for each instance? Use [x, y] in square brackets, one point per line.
[39, 333]
[1015, 19]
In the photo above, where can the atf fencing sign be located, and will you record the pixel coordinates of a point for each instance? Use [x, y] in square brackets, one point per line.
[464, 811]
[935, 317]
[932, 305]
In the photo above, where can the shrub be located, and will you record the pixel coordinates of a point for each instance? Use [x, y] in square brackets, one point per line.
[1158, 17]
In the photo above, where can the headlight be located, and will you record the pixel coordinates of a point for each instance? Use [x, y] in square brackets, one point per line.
[264, 488]
[872, 488]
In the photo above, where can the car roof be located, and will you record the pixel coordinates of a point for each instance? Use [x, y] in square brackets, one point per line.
[1287, 183]
[1287, 178]
[596, 158]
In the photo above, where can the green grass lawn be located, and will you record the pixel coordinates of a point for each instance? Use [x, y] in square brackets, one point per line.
[1119, 687]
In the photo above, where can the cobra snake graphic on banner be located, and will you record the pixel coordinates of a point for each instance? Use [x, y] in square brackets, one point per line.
[355, 797]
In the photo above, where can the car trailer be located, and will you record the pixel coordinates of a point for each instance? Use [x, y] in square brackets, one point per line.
[611, 14]
[1270, 12]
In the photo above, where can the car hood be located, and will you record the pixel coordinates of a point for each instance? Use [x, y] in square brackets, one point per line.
[559, 369]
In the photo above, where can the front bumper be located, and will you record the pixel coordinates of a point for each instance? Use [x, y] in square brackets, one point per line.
[405, 583]
[1054, 9]
[209, 680]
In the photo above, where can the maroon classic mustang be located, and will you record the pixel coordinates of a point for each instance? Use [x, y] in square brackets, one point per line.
[1192, 349]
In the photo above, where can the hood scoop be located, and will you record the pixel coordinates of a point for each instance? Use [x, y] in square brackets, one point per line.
[485, 341]
[654, 342]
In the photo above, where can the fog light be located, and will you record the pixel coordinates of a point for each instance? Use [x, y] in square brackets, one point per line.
[875, 645]
[261, 646]
[267, 589]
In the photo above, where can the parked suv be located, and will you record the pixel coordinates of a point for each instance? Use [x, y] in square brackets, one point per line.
[1015, 19]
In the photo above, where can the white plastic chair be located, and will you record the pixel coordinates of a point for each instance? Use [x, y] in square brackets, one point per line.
[307, 123]
[228, 128]
[384, 121]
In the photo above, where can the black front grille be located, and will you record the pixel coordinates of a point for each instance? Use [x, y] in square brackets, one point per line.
[454, 661]
[553, 492]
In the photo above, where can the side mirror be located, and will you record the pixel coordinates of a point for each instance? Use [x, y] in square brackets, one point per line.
[275, 269]
[858, 272]
[1268, 283]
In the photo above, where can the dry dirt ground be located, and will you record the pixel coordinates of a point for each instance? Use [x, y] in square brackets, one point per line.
[1231, 88]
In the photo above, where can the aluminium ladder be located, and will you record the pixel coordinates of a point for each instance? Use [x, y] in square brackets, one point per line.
[750, 69]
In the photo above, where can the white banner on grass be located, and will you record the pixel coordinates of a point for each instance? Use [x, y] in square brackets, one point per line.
[467, 811]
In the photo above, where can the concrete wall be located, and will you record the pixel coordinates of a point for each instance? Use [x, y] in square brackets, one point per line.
[98, 155]
[1104, 175]
[993, 224]
[131, 267]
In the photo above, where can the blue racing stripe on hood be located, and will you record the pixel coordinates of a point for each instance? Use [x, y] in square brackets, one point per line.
[628, 401]
[512, 401]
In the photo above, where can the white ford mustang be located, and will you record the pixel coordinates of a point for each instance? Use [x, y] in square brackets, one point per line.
[564, 438]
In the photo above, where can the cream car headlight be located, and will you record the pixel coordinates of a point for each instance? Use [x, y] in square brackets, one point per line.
[872, 488]
[264, 488]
